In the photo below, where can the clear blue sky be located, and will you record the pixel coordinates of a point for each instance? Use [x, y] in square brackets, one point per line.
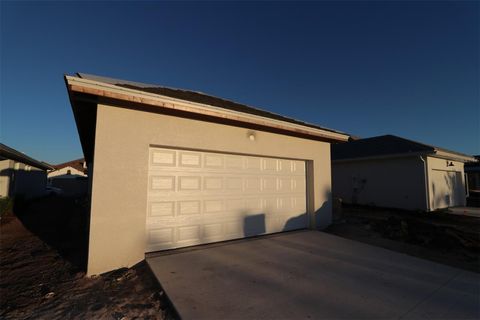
[366, 68]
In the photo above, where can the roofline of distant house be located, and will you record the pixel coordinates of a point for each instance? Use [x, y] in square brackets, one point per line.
[86, 86]
[67, 164]
[12, 154]
[446, 154]
[436, 153]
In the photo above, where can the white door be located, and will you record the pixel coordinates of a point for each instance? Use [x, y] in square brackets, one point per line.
[201, 197]
[447, 189]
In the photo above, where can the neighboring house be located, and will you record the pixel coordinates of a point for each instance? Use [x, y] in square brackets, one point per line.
[172, 168]
[389, 171]
[70, 177]
[472, 170]
[70, 169]
[21, 175]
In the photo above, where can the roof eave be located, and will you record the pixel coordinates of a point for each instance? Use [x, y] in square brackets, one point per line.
[86, 142]
[453, 156]
[387, 156]
[434, 153]
[27, 160]
[86, 86]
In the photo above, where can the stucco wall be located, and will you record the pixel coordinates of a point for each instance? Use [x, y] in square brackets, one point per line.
[119, 189]
[392, 182]
[17, 178]
[5, 173]
[439, 182]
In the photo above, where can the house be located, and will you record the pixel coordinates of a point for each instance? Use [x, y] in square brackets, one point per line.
[70, 177]
[472, 170]
[390, 171]
[173, 168]
[70, 169]
[21, 175]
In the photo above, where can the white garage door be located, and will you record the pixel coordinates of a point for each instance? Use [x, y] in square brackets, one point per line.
[447, 188]
[202, 197]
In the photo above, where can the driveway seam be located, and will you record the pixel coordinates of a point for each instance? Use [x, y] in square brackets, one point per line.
[430, 295]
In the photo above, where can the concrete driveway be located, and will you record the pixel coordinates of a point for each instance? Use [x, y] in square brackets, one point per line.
[312, 275]
[465, 211]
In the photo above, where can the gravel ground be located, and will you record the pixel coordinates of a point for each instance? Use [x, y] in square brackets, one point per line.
[438, 236]
[39, 280]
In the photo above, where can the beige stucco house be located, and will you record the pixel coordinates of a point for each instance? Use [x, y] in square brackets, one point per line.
[390, 171]
[173, 168]
[21, 175]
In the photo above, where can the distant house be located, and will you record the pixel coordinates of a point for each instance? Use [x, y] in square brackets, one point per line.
[70, 169]
[70, 177]
[390, 171]
[472, 170]
[21, 174]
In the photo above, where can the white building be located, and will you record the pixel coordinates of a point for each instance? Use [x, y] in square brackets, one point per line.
[393, 172]
[70, 169]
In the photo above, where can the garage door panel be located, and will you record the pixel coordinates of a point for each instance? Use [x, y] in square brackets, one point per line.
[161, 209]
[254, 205]
[269, 165]
[190, 159]
[188, 233]
[189, 207]
[162, 183]
[212, 230]
[234, 184]
[269, 185]
[213, 183]
[234, 162]
[234, 205]
[201, 197]
[253, 184]
[298, 168]
[213, 206]
[162, 158]
[160, 238]
[213, 161]
[234, 230]
[298, 185]
[253, 164]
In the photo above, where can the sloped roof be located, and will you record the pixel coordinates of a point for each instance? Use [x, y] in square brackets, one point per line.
[12, 154]
[76, 164]
[199, 97]
[385, 145]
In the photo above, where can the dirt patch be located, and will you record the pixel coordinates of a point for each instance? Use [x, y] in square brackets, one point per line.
[440, 237]
[41, 278]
